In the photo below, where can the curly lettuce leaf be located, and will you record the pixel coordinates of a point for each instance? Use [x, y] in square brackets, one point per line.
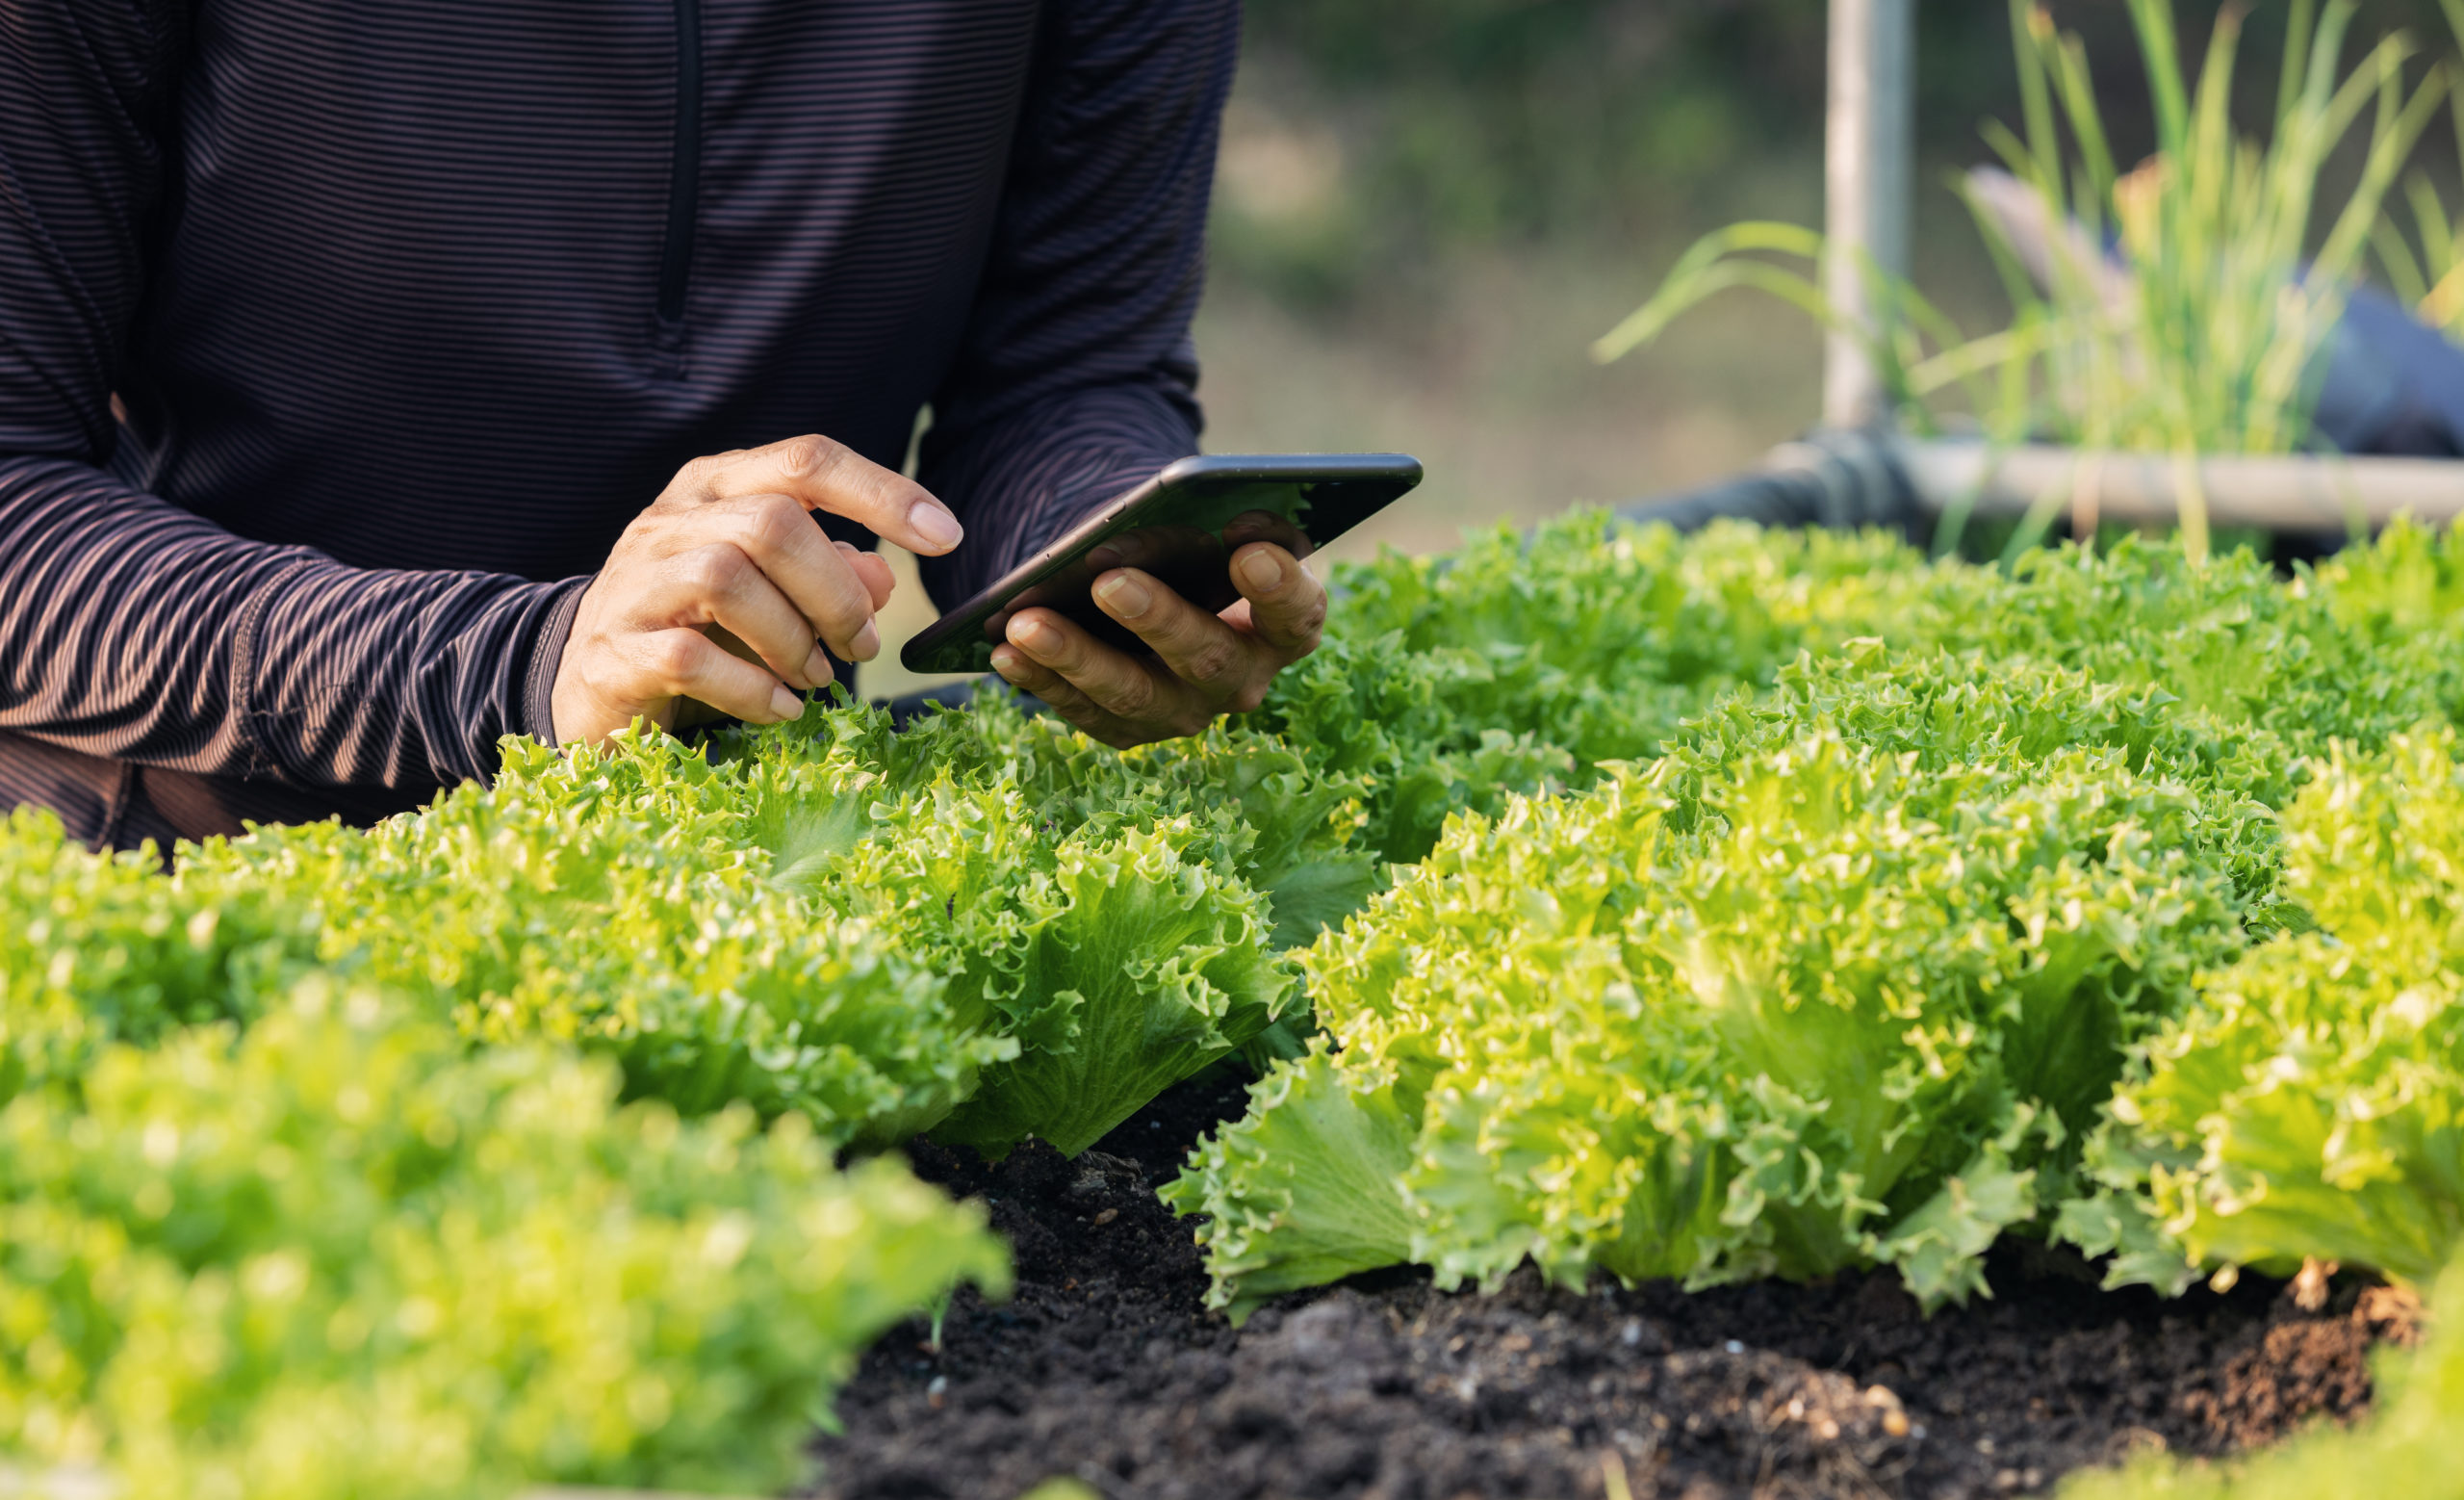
[1139, 968]
[1588, 640]
[340, 1254]
[2341, 655]
[1089, 908]
[1518, 663]
[102, 948]
[1840, 984]
[599, 898]
[1304, 1190]
[1286, 829]
[815, 789]
[2312, 1104]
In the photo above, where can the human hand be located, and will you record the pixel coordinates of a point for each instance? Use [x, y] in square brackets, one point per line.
[1201, 664]
[713, 599]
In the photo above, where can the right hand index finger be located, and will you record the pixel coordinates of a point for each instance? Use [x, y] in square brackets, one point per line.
[823, 474]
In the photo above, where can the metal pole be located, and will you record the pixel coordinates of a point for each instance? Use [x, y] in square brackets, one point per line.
[1870, 157]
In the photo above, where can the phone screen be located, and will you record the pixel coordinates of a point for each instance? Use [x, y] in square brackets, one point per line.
[1183, 527]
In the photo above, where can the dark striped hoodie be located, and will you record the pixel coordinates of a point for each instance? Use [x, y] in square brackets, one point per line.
[409, 308]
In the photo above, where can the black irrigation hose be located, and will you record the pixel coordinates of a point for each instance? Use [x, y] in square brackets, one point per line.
[1837, 480]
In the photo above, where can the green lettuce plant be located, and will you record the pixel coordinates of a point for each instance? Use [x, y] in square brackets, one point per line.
[1841, 981]
[1517, 664]
[101, 948]
[982, 913]
[815, 789]
[339, 1255]
[594, 898]
[2311, 1105]
[1087, 908]
[2355, 649]
[1520, 663]
[1134, 967]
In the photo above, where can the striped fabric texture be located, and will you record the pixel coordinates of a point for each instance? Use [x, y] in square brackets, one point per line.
[408, 309]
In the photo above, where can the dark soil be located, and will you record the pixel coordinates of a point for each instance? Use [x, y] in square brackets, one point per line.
[1104, 1367]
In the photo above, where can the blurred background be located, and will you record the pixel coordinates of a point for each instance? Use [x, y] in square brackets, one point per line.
[1425, 210]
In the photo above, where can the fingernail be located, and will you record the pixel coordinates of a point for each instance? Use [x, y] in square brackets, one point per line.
[1124, 596]
[868, 643]
[1008, 665]
[786, 705]
[1261, 572]
[817, 667]
[1035, 636]
[934, 524]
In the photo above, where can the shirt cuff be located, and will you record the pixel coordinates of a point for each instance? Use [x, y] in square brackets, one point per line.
[547, 654]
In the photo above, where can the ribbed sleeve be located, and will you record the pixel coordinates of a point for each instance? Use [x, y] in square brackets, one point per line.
[1076, 378]
[134, 630]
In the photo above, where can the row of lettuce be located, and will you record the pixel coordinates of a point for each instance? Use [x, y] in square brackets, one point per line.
[497, 1145]
[344, 1253]
[2117, 903]
[1717, 907]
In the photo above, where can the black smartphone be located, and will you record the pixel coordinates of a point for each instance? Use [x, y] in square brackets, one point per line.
[1182, 526]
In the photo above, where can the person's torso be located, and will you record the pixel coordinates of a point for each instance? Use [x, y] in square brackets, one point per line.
[460, 284]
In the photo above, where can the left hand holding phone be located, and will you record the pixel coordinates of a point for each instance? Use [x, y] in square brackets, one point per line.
[1198, 666]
